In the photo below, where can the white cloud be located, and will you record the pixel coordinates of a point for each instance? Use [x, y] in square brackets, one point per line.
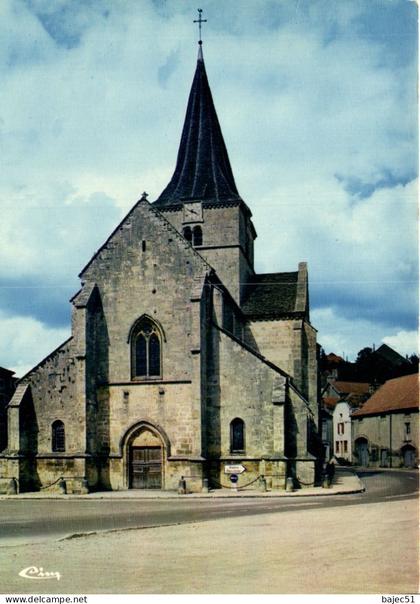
[362, 256]
[405, 342]
[91, 115]
[26, 341]
[51, 231]
[346, 337]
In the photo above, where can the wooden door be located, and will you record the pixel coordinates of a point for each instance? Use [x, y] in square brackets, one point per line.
[146, 467]
[362, 449]
[384, 458]
[409, 458]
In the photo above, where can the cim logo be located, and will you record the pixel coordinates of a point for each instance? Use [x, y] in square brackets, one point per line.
[37, 572]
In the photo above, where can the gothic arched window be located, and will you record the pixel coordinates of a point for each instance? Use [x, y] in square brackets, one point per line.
[146, 350]
[58, 437]
[187, 234]
[237, 436]
[197, 236]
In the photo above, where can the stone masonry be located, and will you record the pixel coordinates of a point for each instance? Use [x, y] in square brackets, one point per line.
[182, 361]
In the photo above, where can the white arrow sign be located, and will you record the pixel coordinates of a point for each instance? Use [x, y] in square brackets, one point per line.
[234, 469]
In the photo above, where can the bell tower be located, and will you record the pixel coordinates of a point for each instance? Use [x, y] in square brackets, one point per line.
[201, 199]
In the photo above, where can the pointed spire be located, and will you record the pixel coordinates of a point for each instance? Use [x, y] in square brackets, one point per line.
[202, 169]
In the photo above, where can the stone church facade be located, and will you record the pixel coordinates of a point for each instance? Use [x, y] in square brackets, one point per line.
[182, 360]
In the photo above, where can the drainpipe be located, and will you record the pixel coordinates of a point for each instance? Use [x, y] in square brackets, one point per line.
[390, 440]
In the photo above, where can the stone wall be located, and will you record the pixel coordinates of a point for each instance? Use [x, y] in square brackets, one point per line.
[241, 385]
[53, 391]
[208, 376]
[168, 407]
[146, 269]
[46, 394]
[7, 387]
[378, 430]
[311, 368]
[228, 245]
[274, 340]
[155, 279]
[291, 345]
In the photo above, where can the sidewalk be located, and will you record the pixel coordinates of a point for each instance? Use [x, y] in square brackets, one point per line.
[344, 482]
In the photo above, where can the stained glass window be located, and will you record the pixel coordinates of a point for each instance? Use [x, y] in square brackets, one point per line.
[146, 350]
[237, 436]
[58, 437]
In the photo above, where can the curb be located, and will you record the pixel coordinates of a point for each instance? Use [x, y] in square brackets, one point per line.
[191, 496]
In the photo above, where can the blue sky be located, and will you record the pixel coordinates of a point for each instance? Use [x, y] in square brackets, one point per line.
[317, 102]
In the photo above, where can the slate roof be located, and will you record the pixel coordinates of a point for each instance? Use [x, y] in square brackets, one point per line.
[6, 372]
[270, 294]
[18, 395]
[81, 298]
[395, 395]
[390, 355]
[203, 170]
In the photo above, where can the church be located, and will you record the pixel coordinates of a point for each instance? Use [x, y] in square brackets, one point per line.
[183, 363]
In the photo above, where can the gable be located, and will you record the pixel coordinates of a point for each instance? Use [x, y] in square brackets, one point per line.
[154, 223]
[145, 268]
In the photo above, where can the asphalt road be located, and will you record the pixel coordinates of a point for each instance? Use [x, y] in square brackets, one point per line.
[31, 521]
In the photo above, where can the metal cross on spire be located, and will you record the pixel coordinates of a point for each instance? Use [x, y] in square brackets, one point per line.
[200, 21]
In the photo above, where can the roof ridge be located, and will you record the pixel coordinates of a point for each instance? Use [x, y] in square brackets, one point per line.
[277, 273]
[119, 225]
[409, 375]
[254, 352]
[264, 360]
[44, 360]
[160, 215]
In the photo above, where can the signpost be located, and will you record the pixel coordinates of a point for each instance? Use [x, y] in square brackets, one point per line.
[234, 468]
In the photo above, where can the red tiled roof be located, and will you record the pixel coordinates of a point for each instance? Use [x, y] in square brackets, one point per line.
[395, 395]
[330, 401]
[334, 358]
[351, 387]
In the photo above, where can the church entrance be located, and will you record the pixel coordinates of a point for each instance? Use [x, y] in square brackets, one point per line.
[145, 455]
[146, 467]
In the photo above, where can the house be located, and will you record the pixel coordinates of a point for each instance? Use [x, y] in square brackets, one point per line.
[327, 434]
[7, 387]
[342, 430]
[390, 356]
[338, 400]
[355, 393]
[182, 360]
[386, 427]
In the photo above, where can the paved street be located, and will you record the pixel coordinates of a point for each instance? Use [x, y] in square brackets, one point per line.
[29, 521]
[362, 543]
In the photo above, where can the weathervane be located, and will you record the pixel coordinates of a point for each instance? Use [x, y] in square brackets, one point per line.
[200, 21]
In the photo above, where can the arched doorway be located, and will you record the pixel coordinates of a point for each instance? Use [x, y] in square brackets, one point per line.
[362, 451]
[145, 456]
[408, 454]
